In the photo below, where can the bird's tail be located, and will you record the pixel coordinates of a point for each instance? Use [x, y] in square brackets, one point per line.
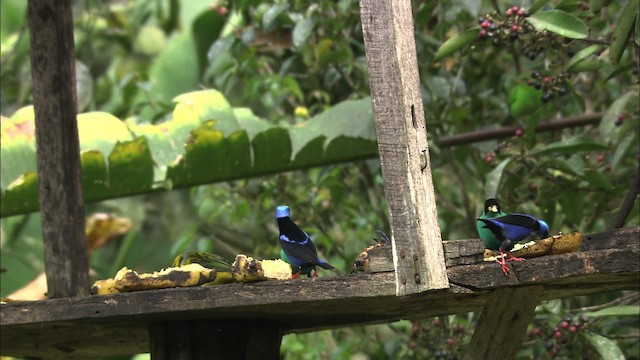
[325, 265]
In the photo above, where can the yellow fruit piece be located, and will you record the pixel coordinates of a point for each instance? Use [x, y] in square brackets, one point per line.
[222, 277]
[129, 280]
[248, 269]
[104, 287]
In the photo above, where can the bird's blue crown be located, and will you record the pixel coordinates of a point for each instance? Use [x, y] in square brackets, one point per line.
[544, 228]
[282, 211]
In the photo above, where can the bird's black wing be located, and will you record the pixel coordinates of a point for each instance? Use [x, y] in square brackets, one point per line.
[523, 220]
[296, 243]
[303, 251]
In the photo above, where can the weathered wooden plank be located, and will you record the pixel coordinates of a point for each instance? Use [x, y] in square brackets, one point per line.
[214, 340]
[74, 340]
[58, 149]
[402, 143]
[503, 322]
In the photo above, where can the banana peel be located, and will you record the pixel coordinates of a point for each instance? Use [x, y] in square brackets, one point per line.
[127, 280]
[244, 269]
[557, 244]
[248, 269]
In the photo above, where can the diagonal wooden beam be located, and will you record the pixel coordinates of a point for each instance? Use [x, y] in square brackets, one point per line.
[402, 143]
[58, 149]
[503, 323]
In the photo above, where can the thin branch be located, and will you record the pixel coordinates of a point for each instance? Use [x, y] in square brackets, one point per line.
[596, 41]
[626, 299]
[627, 203]
[508, 131]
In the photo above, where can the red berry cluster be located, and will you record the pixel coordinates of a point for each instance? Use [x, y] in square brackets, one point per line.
[550, 85]
[601, 160]
[438, 339]
[562, 337]
[504, 28]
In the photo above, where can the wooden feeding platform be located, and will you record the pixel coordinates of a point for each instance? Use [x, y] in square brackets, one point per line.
[119, 324]
[417, 275]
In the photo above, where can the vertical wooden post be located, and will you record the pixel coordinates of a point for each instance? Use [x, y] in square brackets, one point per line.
[402, 142]
[503, 323]
[58, 149]
[215, 340]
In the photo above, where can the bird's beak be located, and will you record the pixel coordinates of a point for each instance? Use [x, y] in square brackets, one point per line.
[493, 208]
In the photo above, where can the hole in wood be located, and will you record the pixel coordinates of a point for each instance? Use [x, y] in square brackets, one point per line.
[413, 115]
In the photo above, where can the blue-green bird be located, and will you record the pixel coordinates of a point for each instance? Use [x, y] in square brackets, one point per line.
[491, 210]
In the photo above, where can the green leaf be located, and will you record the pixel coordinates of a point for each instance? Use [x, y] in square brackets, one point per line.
[494, 177]
[537, 5]
[558, 164]
[270, 16]
[621, 149]
[524, 100]
[302, 31]
[596, 5]
[597, 179]
[637, 32]
[622, 310]
[455, 43]
[624, 26]
[17, 138]
[608, 129]
[580, 55]
[576, 163]
[621, 69]
[219, 47]
[569, 146]
[572, 206]
[607, 348]
[559, 22]
[586, 65]
[205, 141]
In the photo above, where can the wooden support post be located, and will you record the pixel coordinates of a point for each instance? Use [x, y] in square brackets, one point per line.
[402, 142]
[58, 149]
[503, 323]
[213, 340]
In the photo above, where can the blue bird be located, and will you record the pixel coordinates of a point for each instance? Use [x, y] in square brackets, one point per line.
[297, 248]
[511, 229]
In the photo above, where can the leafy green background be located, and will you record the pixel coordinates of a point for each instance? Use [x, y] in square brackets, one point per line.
[290, 103]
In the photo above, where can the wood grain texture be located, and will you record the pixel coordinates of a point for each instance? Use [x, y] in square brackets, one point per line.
[76, 328]
[503, 323]
[214, 340]
[58, 149]
[402, 143]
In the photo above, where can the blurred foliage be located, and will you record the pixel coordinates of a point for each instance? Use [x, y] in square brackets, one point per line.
[291, 60]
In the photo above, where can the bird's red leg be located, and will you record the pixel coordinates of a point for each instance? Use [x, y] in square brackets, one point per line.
[296, 275]
[315, 272]
[503, 263]
[513, 258]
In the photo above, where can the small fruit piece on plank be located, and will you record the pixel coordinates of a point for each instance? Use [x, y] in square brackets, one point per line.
[248, 269]
[128, 280]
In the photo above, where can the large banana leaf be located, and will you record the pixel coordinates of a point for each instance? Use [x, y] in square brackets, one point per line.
[205, 141]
